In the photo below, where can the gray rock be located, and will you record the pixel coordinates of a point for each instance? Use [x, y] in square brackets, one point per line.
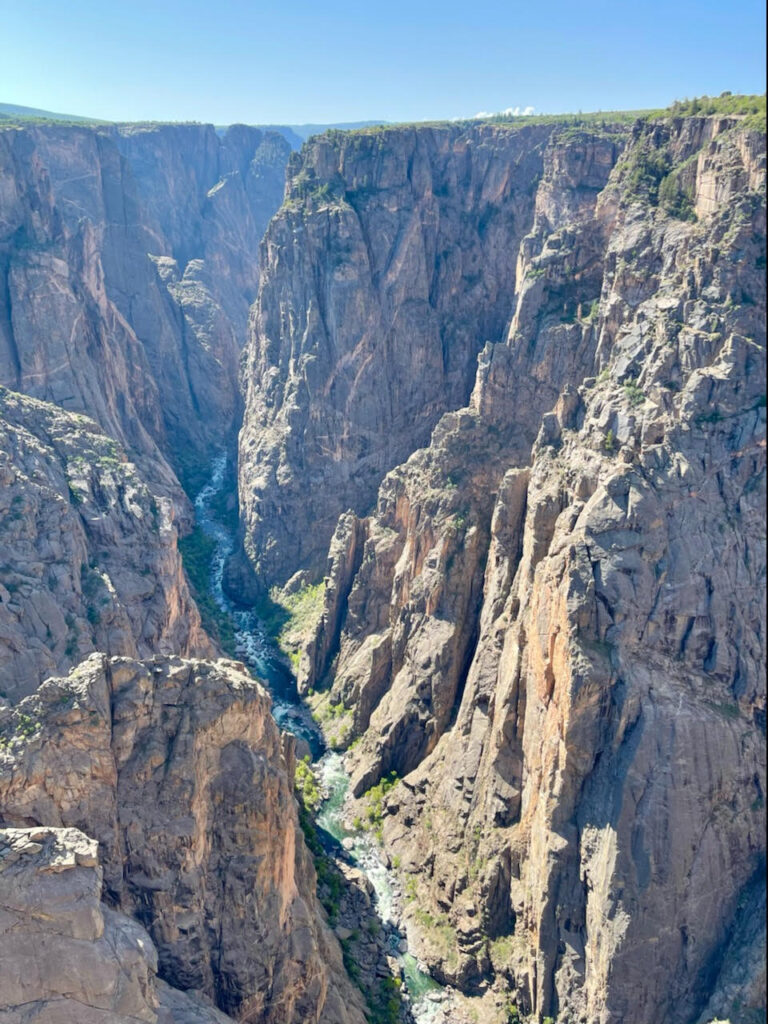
[560, 645]
[90, 558]
[129, 256]
[179, 772]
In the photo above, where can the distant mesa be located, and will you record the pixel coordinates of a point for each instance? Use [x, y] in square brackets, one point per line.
[297, 134]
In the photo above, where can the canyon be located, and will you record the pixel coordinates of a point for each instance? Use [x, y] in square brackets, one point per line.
[496, 395]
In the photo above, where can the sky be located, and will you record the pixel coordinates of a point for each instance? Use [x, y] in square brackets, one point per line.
[227, 61]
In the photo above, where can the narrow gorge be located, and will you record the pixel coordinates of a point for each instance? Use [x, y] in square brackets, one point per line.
[382, 588]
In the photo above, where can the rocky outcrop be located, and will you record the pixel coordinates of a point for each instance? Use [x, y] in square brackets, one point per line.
[390, 264]
[179, 772]
[555, 630]
[89, 553]
[128, 260]
[64, 955]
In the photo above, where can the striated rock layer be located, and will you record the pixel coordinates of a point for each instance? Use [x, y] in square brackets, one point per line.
[89, 554]
[390, 264]
[177, 769]
[128, 260]
[552, 625]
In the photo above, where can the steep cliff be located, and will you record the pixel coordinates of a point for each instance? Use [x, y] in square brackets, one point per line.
[388, 267]
[506, 386]
[89, 554]
[179, 772]
[128, 260]
[551, 625]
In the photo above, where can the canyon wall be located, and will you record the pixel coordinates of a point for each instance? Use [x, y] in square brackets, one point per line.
[505, 397]
[550, 623]
[89, 554]
[64, 954]
[152, 867]
[386, 270]
[128, 261]
[176, 769]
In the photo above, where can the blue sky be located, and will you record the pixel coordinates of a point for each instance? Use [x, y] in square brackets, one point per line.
[335, 60]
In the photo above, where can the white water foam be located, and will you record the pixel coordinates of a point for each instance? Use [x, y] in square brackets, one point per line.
[254, 647]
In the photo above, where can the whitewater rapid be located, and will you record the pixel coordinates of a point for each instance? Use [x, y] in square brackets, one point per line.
[254, 647]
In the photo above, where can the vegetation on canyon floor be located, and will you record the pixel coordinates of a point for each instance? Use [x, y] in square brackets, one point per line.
[196, 552]
[301, 609]
[372, 818]
[384, 996]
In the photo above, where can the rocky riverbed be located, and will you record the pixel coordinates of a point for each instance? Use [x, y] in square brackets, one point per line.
[369, 918]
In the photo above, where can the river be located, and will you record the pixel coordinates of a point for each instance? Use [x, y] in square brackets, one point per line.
[251, 641]
[257, 650]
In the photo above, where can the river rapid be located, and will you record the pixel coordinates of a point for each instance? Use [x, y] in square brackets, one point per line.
[258, 652]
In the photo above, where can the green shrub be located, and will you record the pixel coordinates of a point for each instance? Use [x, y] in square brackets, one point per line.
[374, 811]
[197, 554]
[512, 1013]
[633, 393]
[291, 618]
[676, 199]
[22, 726]
[725, 104]
[593, 312]
[646, 167]
[26, 725]
[384, 1001]
[306, 785]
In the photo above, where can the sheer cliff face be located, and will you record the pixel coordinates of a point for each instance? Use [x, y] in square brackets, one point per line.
[89, 554]
[150, 804]
[552, 623]
[179, 772]
[128, 260]
[391, 263]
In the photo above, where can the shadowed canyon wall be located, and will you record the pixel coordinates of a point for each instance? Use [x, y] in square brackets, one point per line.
[128, 261]
[180, 773]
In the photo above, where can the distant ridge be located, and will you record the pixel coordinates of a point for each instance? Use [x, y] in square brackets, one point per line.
[9, 111]
[295, 134]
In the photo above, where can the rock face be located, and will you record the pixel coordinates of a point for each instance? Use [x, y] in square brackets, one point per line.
[153, 863]
[89, 554]
[552, 624]
[128, 260]
[179, 772]
[388, 267]
[507, 388]
[64, 955]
